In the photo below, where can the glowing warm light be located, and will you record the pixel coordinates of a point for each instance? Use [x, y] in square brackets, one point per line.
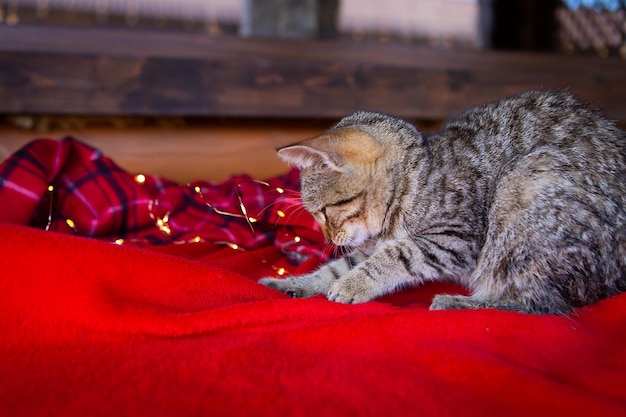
[163, 226]
[162, 222]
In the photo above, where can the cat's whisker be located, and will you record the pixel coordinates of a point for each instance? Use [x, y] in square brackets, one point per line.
[343, 251]
[290, 214]
[331, 249]
[266, 208]
[294, 215]
[287, 191]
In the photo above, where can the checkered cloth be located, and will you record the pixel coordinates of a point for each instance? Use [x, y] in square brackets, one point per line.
[69, 187]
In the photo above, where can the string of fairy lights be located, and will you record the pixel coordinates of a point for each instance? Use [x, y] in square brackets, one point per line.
[163, 224]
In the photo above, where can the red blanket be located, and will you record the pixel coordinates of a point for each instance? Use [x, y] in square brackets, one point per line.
[89, 327]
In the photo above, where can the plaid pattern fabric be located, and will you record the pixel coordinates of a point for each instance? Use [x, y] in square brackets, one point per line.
[69, 187]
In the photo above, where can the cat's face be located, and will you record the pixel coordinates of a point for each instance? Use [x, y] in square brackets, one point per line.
[340, 184]
[338, 202]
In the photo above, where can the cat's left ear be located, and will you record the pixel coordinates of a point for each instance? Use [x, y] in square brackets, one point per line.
[309, 153]
[340, 150]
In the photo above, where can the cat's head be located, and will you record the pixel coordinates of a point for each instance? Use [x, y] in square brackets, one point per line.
[347, 174]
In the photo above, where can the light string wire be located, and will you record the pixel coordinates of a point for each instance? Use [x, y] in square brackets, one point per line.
[162, 222]
[250, 221]
[69, 222]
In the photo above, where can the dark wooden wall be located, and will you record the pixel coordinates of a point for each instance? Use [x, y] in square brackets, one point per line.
[95, 71]
[529, 25]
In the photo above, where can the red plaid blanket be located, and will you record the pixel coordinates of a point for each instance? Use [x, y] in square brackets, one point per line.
[67, 186]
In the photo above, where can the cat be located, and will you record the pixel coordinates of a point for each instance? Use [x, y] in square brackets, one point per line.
[522, 201]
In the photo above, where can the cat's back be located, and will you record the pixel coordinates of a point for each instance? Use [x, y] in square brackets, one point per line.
[571, 140]
[533, 118]
[552, 123]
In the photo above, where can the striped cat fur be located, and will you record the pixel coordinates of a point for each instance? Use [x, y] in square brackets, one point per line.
[523, 201]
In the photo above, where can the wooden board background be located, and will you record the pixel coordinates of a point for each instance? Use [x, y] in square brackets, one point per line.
[255, 94]
[95, 71]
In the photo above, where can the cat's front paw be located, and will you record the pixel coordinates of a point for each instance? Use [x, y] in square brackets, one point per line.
[293, 287]
[352, 289]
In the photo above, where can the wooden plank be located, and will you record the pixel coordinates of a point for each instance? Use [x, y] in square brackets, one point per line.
[211, 151]
[117, 72]
[145, 43]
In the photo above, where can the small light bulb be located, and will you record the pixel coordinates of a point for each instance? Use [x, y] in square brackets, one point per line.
[140, 178]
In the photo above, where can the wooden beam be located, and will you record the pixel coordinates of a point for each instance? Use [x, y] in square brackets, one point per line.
[94, 71]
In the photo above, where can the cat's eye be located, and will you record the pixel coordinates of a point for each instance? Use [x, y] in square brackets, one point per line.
[348, 200]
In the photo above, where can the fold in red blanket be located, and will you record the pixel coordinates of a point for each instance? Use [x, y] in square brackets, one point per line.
[130, 295]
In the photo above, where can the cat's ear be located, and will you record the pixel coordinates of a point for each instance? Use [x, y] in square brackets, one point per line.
[309, 153]
[337, 149]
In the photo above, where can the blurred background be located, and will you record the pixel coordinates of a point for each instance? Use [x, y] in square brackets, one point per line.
[202, 89]
[596, 26]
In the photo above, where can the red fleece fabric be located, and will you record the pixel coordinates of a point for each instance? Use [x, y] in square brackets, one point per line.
[91, 328]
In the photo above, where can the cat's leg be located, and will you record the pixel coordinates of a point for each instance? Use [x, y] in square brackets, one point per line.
[546, 247]
[494, 281]
[517, 271]
[400, 263]
[511, 277]
[544, 301]
[460, 302]
[317, 282]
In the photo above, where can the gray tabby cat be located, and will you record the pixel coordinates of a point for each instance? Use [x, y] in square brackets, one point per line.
[523, 201]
